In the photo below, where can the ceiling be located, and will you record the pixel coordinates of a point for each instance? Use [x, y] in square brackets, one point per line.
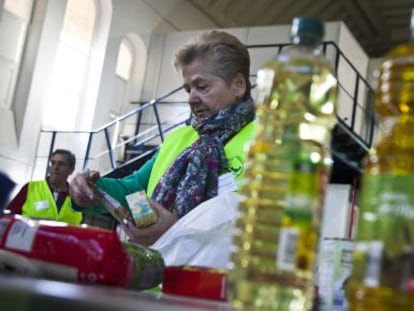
[378, 25]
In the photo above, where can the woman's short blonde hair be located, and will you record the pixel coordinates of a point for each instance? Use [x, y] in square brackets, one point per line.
[224, 53]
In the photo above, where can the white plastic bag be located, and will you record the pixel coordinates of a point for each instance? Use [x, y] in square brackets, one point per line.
[203, 237]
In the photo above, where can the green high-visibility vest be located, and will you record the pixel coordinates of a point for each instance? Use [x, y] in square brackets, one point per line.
[41, 204]
[184, 137]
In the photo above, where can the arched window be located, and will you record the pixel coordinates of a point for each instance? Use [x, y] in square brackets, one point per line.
[127, 87]
[69, 77]
[125, 59]
[120, 100]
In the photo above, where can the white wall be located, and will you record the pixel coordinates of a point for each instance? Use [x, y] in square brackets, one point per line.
[19, 157]
[143, 19]
[168, 43]
[336, 218]
[17, 161]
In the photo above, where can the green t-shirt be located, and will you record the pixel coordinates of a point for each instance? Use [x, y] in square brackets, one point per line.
[119, 188]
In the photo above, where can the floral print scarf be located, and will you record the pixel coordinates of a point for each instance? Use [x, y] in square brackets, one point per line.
[193, 176]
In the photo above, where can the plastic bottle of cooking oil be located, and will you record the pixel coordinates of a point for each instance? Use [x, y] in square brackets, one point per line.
[276, 236]
[383, 268]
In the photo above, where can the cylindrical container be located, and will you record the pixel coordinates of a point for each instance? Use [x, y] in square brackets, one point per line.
[65, 252]
[79, 254]
[277, 231]
[383, 269]
[149, 266]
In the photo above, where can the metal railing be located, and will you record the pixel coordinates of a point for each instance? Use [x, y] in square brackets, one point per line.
[154, 132]
[358, 120]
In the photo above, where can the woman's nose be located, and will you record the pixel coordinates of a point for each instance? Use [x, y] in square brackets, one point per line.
[192, 97]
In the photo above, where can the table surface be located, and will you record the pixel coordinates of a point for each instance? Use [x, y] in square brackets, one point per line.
[18, 293]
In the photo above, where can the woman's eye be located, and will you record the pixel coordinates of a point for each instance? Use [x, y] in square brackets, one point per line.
[202, 87]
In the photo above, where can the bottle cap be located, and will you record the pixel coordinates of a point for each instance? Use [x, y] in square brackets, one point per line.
[307, 29]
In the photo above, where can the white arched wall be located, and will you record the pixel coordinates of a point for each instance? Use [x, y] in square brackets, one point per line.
[22, 162]
[136, 83]
[117, 18]
[124, 91]
[103, 24]
[35, 75]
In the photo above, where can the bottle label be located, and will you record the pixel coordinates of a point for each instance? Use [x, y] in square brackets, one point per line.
[288, 245]
[373, 265]
[297, 239]
[384, 251]
[333, 272]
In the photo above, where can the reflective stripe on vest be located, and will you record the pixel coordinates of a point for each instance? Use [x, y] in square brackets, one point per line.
[41, 204]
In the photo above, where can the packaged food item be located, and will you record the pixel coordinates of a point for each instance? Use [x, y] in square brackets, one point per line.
[200, 282]
[287, 171]
[382, 275]
[119, 212]
[335, 266]
[141, 210]
[73, 253]
[76, 253]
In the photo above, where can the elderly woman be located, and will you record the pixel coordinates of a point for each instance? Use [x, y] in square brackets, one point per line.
[194, 160]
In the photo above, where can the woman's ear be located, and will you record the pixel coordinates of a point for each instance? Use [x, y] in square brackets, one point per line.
[239, 85]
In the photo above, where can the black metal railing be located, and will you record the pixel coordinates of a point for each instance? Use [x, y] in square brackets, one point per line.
[362, 112]
[154, 132]
[359, 123]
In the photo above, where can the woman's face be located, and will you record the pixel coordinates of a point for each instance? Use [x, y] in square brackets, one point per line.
[207, 93]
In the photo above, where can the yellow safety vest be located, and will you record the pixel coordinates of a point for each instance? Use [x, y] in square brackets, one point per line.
[184, 137]
[41, 204]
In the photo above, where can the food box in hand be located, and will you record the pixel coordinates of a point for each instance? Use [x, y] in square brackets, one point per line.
[200, 282]
[119, 212]
[140, 214]
[141, 210]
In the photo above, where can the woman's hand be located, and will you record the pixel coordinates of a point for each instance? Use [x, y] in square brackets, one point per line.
[149, 235]
[81, 188]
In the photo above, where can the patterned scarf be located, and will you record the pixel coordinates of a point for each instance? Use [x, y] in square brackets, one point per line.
[193, 176]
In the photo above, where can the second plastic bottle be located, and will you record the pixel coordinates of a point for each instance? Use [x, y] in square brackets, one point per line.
[383, 271]
[277, 231]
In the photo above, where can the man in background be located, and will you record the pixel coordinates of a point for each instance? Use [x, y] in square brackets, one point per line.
[49, 198]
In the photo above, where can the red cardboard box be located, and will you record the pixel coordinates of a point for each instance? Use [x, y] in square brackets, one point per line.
[197, 282]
